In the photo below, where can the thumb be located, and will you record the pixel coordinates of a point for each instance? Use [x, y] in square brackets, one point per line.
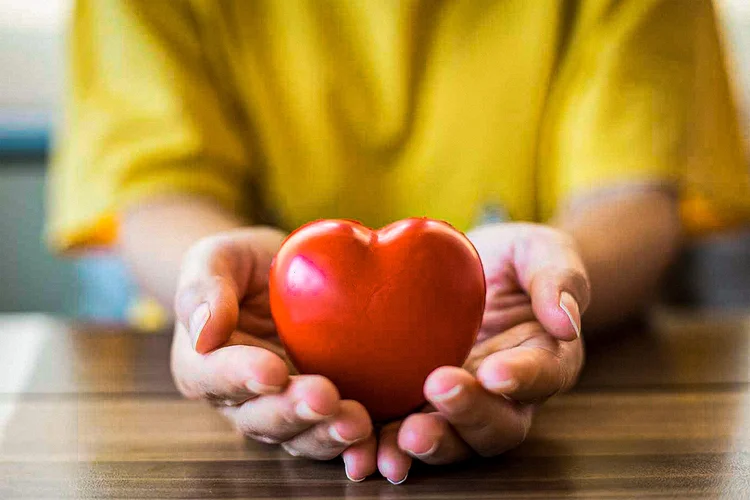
[559, 299]
[552, 273]
[217, 274]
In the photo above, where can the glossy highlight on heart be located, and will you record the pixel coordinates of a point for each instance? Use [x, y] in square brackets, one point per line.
[377, 311]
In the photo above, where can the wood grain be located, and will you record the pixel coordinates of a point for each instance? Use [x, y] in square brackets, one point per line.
[133, 429]
[661, 412]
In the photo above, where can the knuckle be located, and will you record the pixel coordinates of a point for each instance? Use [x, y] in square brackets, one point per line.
[194, 289]
[355, 410]
[247, 428]
[471, 418]
[319, 446]
[552, 375]
[200, 259]
[507, 439]
[570, 371]
[207, 247]
[498, 442]
[560, 378]
[325, 448]
[286, 419]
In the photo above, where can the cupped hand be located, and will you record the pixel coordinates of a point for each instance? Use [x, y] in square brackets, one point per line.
[528, 349]
[224, 351]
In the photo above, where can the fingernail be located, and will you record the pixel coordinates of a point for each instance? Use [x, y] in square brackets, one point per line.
[258, 388]
[198, 320]
[397, 482]
[570, 307]
[334, 433]
[423, 454]
[349, 476]
[447, 395]
[305, 412]
[290, 450]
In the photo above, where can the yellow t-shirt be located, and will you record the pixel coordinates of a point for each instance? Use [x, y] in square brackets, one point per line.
[287, 111]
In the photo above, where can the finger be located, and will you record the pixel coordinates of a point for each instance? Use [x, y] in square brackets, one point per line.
[329, 439]
[509, 339]
[241, 338]
[430, 438]
[546, 263]
[489, 424]
[393, 463]
[532, 371]
[360, 459]
[226, 376]
[217, 273]
[307, 400]
[550, 269]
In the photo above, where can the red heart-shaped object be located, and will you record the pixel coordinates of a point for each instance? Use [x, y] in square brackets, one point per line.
[377, 311]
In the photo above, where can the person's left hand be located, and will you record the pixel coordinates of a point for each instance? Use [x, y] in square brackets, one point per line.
[528, 349]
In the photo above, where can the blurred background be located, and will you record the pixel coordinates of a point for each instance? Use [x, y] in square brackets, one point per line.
[31, 58]
[97, 286]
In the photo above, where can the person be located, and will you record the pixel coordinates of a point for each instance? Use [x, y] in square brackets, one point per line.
[575, 142]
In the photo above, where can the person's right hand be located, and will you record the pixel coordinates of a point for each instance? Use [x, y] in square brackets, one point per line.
[224, 351]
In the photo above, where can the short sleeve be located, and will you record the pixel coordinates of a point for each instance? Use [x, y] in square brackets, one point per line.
[642, 98]
[145, 114]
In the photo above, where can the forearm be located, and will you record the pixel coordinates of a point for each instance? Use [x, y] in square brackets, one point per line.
[155, 236]
[626, 244]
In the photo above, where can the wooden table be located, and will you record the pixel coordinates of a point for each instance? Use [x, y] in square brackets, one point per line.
[91, 412]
